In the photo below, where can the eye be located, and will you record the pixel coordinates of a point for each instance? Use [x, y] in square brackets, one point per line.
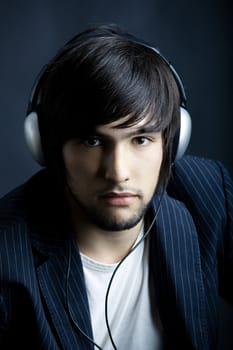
[92, 141]
[141, 140]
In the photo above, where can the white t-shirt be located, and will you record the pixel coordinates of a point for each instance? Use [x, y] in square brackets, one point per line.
[129, 309]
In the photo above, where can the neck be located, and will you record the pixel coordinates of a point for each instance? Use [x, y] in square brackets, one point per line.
[106, 246]
[102, 245]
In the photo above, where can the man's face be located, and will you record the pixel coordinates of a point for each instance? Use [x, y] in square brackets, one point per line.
[113, 174]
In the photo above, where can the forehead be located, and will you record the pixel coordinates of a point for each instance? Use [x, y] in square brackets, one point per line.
[120, 127]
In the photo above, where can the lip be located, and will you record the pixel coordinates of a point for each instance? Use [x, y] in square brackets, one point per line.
[118, 198]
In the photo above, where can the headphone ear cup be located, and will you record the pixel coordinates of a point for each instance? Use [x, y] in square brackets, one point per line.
[32, 137]
[184, 133]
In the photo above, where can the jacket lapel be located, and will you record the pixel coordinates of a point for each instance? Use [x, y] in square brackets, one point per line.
[176, 268]
[59, 269]
[62, 286]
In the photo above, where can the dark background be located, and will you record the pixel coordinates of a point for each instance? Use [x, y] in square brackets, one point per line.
[195, 36]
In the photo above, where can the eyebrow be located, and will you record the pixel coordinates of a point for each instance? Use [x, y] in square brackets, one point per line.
[147, 129]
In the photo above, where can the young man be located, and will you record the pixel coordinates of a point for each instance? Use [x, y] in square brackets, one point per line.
[115, 244]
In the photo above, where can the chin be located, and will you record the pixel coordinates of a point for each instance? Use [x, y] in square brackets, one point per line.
[110, 223]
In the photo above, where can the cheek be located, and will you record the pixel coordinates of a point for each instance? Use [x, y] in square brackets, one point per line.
[151, 169]
[77, 163]
[80, 172]
[154, 158]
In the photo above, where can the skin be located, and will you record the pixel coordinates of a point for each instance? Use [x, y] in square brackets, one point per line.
[111, 178]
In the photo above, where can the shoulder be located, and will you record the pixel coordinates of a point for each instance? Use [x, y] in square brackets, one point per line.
[24, 225]
[199, 172]
[33, 212]
[204, 185]
[193, 166]
[14, 203]
[16, 207]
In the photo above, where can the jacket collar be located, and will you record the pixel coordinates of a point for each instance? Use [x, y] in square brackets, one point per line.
[176, 268]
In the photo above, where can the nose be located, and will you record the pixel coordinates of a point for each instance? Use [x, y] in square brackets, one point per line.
[115, 165]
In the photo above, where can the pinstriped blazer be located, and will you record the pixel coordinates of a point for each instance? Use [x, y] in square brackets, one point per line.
[43, 301]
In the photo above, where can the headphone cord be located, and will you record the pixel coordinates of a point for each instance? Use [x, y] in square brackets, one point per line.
[123, 259]
[111, 279]
[68, 304]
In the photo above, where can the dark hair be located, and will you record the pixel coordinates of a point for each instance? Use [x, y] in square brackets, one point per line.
[102, 75]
